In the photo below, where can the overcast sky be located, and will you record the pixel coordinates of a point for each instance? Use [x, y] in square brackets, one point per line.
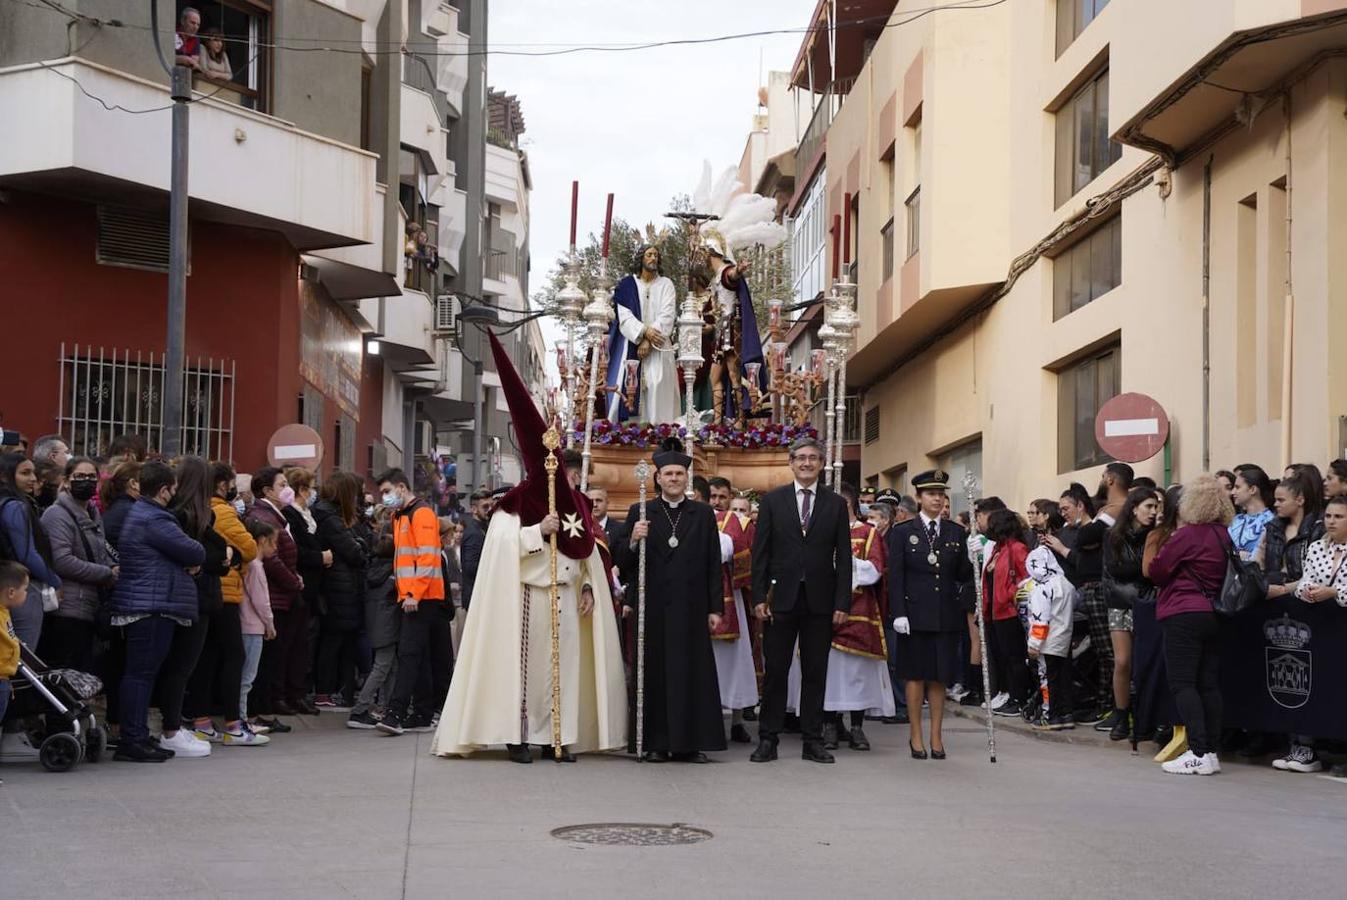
[637, 123]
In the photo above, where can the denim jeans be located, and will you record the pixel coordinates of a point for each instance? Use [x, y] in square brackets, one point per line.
[147, 644]
[252, 656]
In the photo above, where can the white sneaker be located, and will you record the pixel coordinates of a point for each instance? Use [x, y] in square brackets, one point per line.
[957, 693]
[1000, 700]
[15, 747]
[1215, 762]
[184, 744]
[245, 737]
[210, 734]
[1302, 759]
[1191, 764]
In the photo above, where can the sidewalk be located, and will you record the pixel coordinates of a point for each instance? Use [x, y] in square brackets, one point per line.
[1083, 735]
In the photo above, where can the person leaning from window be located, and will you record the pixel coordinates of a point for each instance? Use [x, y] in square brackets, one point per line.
[79, 554]
[28, 542]
[186, 43]
[211, 58]
[154, 598]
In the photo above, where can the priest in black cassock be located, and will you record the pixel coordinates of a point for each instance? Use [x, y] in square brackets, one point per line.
[683, 605]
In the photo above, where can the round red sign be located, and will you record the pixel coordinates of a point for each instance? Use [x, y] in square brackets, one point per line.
[295, 445]
[1131, 428]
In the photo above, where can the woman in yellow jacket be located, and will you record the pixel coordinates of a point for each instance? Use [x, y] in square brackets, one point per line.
[219, 672]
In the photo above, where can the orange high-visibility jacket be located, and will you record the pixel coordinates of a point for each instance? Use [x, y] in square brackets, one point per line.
[416, 556]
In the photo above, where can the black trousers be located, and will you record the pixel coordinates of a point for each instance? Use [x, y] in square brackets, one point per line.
[178, 667]
[67, 643]
[1011, 653]
[291, 655]
[425, 660]
[1061, 703]
[1193, 662]
[814, 632]
[335, 671]
[214, 686]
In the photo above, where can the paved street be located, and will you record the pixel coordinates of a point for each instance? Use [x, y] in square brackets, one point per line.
[326, 812]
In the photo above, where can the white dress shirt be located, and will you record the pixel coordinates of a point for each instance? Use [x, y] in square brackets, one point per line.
[799, 499]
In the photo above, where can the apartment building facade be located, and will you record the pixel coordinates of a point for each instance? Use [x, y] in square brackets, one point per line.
[303, 303]
[1055, 202]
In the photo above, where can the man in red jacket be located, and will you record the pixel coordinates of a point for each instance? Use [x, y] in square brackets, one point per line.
[425, 645]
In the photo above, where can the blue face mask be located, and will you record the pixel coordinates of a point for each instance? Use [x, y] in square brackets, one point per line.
[392, 500]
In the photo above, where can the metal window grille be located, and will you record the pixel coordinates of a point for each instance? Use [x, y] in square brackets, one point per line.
[872, 424]
[851, 421]
[104, 393]
[346, 443]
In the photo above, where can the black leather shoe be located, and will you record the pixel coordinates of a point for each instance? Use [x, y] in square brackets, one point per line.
[817, 753]
[519, 753]
[695, 756]
[916, 754]
[829, 736]
[858, 739]
[843, 733]
[739, 735]
[792, 724]
[766, 751]
[937, 754]
[973, 698]
[565, 757]
[751, 714]
[655, 756]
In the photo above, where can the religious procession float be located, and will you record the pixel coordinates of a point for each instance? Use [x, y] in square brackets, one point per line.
[645, 359]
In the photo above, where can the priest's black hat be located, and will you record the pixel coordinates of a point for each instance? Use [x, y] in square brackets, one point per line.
[671, 454]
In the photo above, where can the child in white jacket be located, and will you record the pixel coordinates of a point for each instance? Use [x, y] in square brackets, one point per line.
[1050, 604]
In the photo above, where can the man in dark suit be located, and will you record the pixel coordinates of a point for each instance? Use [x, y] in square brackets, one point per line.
[474, 538]
[801, 588]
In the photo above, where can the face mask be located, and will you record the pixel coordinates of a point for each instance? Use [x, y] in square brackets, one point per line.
[232, 495]
[46, 496]
[83, 491]
[239, 506]
[312, 497]
[286, 496]
[369, 511]
[392, 500]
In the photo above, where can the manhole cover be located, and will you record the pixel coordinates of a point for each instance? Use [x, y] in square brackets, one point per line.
[630, 834]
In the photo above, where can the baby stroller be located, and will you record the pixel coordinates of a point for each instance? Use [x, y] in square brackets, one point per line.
[51, 707]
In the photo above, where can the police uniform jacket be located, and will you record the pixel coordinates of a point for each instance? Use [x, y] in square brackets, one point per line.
[928, 595]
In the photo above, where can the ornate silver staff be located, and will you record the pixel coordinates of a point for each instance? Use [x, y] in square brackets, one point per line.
[970, 484]
[642, 479]
[552, 440]
[598, 314]
[570, 309]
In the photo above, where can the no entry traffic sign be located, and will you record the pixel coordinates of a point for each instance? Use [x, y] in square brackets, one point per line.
[1131, 428]
[295, 445]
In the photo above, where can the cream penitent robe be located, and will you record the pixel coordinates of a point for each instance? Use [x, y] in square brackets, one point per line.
[483, 708]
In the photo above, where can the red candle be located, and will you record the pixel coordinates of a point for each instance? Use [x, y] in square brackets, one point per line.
[837, 240]
[575, 208]
[607, 225]
[846, 230]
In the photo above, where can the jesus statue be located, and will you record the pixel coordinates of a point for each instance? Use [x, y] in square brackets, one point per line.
[647, 313]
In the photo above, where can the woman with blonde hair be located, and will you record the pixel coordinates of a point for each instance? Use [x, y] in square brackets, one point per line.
[1189, 569]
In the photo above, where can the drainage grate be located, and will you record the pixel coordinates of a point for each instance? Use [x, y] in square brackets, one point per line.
[631, 834]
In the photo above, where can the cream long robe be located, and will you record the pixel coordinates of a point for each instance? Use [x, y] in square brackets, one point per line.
[659, 371]
[483, 706]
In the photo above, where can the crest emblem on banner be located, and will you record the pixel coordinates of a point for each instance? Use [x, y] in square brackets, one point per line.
[1290, 666]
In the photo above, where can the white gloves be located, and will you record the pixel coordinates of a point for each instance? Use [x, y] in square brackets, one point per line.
[975, 543]
[901, 625]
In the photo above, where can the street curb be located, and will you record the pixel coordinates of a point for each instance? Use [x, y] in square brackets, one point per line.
[1082, 735]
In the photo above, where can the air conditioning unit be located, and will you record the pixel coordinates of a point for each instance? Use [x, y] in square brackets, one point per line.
[446, 313]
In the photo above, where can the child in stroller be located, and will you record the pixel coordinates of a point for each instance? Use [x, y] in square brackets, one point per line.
[51, 706]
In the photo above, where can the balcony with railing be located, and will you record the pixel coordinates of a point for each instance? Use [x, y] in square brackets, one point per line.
[816, 133]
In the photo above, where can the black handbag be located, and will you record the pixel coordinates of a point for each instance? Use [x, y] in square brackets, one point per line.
[1244, 585]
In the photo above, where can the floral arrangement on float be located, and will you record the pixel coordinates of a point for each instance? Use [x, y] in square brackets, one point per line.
[644, 435]
[766, 436]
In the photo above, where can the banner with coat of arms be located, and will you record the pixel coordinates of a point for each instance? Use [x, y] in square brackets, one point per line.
[1284, 669]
